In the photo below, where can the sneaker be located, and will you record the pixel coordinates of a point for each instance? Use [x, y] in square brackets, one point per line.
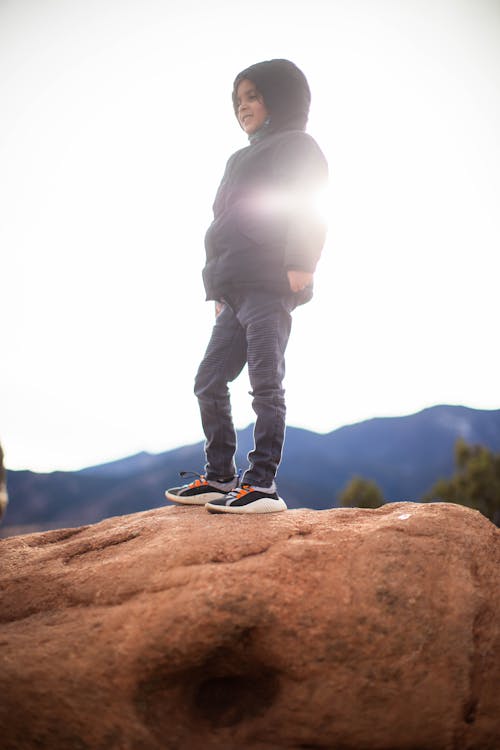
[200, 491]
[247, 499]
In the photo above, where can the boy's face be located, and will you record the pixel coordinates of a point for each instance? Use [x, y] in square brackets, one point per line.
[252, 112]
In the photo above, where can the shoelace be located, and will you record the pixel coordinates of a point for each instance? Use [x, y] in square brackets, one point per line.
[241, 491]
[198, 482]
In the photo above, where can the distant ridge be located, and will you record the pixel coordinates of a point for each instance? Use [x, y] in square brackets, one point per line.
[404, 455]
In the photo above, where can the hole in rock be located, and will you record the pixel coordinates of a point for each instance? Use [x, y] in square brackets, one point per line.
[470, 711]
[225, 700]
[229, 685]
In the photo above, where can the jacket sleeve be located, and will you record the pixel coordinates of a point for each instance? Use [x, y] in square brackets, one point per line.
[302, 173]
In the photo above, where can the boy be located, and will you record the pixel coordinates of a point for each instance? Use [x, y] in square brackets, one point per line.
[261, 253]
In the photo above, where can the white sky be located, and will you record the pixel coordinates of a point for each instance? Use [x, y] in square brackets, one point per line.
[115, 127]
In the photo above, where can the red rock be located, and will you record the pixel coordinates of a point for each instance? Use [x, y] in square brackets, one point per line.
[346, 629]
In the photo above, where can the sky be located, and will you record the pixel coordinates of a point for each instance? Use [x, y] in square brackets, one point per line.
[115, 128]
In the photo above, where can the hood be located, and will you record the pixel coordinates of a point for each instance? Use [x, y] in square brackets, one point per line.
[285, 92]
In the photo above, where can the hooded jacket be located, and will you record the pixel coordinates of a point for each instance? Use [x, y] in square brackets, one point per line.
[265, 221]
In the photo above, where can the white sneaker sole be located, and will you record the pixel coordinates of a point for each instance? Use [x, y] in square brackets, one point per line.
[264, 505]
[194, 499]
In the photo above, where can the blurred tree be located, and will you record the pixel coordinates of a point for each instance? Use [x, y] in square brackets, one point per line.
[476, 483]
[361, 493]
[3, 487]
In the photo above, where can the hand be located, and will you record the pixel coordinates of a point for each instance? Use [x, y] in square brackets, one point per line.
[298, 280]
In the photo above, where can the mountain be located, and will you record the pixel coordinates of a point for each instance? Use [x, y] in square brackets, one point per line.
[404, 455]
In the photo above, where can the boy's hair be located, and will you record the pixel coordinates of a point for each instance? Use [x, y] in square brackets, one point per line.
[285, 91]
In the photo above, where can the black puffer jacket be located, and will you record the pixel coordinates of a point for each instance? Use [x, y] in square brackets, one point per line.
[265, 220]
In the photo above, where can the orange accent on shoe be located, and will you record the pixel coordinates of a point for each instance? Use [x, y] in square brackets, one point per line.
[244, 490]
[199, 482]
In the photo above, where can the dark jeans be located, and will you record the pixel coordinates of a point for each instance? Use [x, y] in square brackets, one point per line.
[253, 327]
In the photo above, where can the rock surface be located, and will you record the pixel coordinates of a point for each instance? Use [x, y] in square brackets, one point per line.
[345, 629]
